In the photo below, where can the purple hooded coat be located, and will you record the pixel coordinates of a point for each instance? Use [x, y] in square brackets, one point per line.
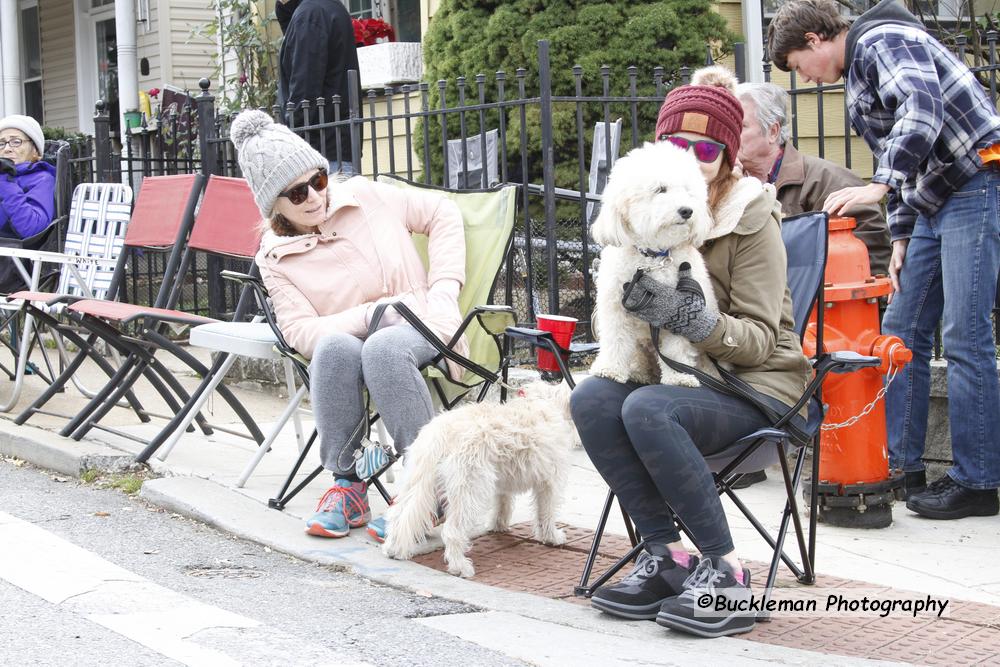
[27, 206]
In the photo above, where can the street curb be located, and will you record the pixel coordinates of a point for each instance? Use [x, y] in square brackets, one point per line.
[54, 452]
[237, 514]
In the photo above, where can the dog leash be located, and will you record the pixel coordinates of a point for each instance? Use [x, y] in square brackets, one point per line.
[730, 383]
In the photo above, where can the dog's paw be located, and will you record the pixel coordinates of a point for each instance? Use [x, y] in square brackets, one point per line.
[462, 568]
[675, 379]
[555, 537]
[613, 374]
[500, 527]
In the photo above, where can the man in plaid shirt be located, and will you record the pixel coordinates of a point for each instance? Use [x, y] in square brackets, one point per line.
[936, 138]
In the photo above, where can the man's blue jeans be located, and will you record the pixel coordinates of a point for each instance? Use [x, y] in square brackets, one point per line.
[950, 275]
[346, 167]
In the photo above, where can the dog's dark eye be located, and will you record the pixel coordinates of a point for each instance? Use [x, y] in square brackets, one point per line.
[660, 190]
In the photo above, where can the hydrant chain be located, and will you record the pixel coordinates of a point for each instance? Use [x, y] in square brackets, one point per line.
[868, 408]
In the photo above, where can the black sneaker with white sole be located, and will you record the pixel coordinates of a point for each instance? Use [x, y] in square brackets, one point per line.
[639, 595]
[713, 603]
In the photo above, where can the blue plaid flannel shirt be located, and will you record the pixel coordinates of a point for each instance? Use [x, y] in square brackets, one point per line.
[924, 116]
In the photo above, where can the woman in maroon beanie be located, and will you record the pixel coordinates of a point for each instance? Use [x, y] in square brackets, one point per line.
[649, 442]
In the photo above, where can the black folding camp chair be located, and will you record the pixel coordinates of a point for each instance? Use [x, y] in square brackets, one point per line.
[805, 239]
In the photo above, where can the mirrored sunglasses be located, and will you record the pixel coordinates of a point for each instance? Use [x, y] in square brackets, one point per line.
[300, 193]
[14, 142]
[705, 150]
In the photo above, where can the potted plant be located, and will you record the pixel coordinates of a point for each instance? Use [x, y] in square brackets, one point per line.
[382, 60]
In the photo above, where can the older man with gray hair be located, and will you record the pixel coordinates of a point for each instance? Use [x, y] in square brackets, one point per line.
[803, 181]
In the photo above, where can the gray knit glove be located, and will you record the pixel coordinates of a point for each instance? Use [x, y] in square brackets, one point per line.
[680, 310]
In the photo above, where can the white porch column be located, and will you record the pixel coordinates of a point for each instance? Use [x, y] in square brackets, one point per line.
[13, 98]
[128, 73]
[753, 31]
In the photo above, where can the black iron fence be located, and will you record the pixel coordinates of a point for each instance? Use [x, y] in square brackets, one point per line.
[557, 147]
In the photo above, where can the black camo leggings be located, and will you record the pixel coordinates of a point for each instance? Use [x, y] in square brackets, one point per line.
[648, 443]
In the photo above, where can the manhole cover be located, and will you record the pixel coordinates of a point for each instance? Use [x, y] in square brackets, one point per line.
[222, 571]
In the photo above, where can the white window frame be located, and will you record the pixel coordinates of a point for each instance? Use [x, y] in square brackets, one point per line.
[21, 6]
[86, 21]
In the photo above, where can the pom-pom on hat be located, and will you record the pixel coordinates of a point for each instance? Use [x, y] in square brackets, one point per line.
[706, 106]
[271, 156]
[29, 126]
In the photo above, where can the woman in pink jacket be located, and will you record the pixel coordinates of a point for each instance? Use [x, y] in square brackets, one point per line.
[329, 257]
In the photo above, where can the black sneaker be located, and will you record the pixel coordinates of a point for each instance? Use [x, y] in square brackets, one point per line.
[639, 595]
[749, 479]
[947, 499]
[711, 586]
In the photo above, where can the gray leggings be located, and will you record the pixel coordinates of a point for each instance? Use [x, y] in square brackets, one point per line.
[387, 363]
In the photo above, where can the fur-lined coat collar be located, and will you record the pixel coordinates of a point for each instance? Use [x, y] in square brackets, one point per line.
[746, 208]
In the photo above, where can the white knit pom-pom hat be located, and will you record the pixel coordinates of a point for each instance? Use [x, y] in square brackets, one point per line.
[271, 156]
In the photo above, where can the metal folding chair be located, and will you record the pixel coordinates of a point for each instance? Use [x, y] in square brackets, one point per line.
[141, 331]
[160, 222]
[227, 200]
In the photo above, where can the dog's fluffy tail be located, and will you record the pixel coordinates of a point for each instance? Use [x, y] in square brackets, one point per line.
[412, 514]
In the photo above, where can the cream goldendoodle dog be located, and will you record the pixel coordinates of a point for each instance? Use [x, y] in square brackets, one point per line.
[476, 457]
[654, 217]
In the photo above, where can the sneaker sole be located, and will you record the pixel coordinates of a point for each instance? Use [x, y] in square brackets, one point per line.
[734, 625]
[631, 612]
[953, 514]
[375, 536]
[320, 531]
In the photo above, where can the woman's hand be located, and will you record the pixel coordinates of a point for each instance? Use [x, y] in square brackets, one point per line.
[442, 299]
[681, 310]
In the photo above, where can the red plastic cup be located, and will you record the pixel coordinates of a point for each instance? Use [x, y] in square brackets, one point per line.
[562, 329]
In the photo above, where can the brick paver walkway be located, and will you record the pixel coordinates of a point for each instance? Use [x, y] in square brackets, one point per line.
[969, 634]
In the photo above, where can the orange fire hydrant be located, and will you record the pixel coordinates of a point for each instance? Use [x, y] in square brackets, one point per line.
[856, 488]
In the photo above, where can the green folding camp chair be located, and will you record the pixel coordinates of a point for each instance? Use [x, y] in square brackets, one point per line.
[488, 217]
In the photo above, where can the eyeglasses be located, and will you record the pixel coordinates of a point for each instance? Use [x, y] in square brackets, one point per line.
[300, 193]
[705, 150]
[14, 142]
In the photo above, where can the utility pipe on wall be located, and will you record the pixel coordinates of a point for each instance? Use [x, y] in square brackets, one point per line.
[128, 73]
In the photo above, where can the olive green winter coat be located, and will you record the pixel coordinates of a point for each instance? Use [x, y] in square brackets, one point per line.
[745, 257]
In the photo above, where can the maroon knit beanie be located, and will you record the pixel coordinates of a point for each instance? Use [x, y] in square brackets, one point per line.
[711, 110]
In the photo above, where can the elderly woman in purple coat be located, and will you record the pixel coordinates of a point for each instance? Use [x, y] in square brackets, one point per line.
[27, 188]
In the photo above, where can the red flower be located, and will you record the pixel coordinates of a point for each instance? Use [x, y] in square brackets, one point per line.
[153, 92]
[243, 79]
[378, 29]
[360, 34]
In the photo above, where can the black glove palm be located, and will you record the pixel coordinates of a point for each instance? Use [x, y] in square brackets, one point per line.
[681, 310]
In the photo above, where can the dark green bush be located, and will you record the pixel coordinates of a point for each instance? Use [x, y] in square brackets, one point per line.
[468, 37]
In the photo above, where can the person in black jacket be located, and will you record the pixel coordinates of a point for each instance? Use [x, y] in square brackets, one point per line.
[317, 51]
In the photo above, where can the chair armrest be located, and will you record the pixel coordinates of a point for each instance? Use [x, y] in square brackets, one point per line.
[845, 361]
[535, 337]
[242, 278]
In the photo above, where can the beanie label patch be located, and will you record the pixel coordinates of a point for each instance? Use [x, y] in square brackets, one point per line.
[694, 122]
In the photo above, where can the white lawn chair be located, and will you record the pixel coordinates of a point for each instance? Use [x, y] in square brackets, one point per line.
[99, 216]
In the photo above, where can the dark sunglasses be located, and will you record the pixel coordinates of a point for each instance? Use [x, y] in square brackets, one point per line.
[300, 192]
[705, 150]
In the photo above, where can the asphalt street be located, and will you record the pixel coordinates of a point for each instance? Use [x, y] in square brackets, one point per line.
[280, 610]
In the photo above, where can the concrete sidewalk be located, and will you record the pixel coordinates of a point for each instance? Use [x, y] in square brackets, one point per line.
[529, 585]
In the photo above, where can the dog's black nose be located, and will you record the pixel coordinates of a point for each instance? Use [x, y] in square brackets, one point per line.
[685, 212]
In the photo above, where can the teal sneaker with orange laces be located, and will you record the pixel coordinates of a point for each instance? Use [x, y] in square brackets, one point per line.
[343, 507]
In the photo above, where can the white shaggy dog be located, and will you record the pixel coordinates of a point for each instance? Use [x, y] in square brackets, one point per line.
[478, 454]
[654, 217]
